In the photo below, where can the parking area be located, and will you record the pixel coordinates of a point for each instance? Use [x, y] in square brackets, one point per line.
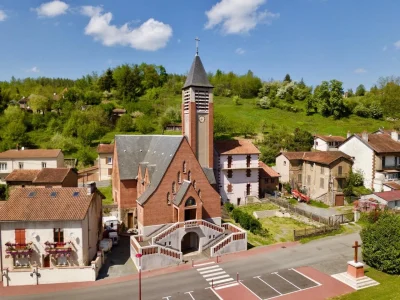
[118, 262]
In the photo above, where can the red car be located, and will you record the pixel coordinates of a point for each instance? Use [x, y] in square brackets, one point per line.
[300, 197]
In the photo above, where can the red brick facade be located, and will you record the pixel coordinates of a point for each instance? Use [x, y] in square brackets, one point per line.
[211, 135]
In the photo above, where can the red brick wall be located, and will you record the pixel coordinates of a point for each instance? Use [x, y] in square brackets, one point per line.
[199, 207]
[211, 135]
[193, 126]
[71, 180]
[115, 179]
[128, 193]
[157, 211]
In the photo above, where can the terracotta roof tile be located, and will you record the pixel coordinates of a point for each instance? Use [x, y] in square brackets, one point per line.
[267, 170]
[321, 157]
[39, 204]
[330, 138]
[382, 143]
[389, 196]
[52, 175]
[393, 185]
[22, 175]
[31, 153]
[236, 147]
[105, 148]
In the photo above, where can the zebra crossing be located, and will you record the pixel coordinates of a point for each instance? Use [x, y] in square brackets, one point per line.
[213, 274]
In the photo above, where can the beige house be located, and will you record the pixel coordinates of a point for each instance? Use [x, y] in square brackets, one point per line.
[105, 161]
[29, 159]
[320, 175]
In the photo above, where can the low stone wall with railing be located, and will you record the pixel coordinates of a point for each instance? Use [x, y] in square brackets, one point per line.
[236, 241]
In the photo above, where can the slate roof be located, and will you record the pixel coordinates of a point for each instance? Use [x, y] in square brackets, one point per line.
[236, 147]
[320, 157]
[389, 196]
[155, 150]
[267, 170]
[105, 148]
[197, 75]
[22, 175]
[31, 153]
[41, 206]
[181, 192]
[46, 175]
[209, 172]
[330, 138]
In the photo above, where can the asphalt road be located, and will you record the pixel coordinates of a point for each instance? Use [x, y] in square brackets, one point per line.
[328, 255]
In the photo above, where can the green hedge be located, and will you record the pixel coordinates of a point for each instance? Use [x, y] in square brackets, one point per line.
[248, 222]
[381, 243]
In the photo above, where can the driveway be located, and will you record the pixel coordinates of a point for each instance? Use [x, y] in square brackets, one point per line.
[118, 262]
[323, 212]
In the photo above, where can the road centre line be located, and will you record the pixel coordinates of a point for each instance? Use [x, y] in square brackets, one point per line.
[276, 273]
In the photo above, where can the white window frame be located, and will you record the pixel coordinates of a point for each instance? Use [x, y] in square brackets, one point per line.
[21, 165]
[3, 166]
[109, 160]
[44, 165]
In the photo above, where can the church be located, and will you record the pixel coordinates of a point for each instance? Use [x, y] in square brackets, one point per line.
[165, 186]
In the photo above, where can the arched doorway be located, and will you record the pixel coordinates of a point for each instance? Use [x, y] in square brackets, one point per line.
[190, 242]
[190, 209]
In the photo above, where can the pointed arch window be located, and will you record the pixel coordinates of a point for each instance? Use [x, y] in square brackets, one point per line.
[179, 177]
[189, 176]
[168, 198]
[194, 184]
[190, 202]
[184, 166]
[173, 187]
[199, 193]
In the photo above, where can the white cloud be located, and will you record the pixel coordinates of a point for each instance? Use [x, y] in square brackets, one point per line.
[384, 48]
[33, 70]
[240, 51]
[52, 9]
[360, 71]
[397, 45]
[3, 15]
[151, 35]
[238, 16]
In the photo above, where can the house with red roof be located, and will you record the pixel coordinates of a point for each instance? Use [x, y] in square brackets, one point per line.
[269, 180]
[391, 199]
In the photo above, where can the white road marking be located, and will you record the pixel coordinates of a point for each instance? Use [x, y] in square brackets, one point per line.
[214, 274]
[293, 292]
[250, 291]
[210, 271]
[269, 285]
[221, 281]
[217, 277]
[204, 264]
[190, 295]
[208, 268]
[276, 273]
[319, 284]
[166, 297]
[215, 293]
[226, 286]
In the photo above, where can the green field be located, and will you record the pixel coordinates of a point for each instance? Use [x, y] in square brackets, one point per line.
[387, 290]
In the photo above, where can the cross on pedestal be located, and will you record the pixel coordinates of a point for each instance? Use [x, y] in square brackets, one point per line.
[197, 45]
[356, 246]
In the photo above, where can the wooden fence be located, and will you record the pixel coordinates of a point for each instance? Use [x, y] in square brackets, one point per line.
[307, 232]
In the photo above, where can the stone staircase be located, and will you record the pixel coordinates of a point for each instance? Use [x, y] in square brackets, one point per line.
[355, 283]
[207, 251]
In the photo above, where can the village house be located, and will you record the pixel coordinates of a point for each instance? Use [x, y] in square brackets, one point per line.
[29, 159]
[377, 157]
[237, 167]
[320, 175]
[327, 142]
[105, 161]
[53, 229]
[47, 178]
[165, 185]
[269, 180]
[390, 199]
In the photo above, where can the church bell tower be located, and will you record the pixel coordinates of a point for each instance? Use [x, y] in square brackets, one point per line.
[198, 112]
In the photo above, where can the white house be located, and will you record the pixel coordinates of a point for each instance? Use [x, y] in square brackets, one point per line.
[52, 230]
[327, 142]
[105, 161]
[377, 156]
[238, 170]
[29, 159]
[391, 199]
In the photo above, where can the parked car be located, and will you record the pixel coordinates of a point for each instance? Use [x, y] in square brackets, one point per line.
[105, 245]
[111, 223]
[114, 237]
[300, 196]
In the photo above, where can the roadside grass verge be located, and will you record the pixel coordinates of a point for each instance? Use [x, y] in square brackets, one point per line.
[318, 204]
[342, 230]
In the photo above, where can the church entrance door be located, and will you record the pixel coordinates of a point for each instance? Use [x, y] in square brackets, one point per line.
[190, 242]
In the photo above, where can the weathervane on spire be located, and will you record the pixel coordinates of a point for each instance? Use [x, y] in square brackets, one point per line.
[197, 45]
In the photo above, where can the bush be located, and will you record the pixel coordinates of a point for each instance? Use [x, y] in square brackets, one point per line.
[248, 221]
[144, 125]
[381, 244]
[229, 207]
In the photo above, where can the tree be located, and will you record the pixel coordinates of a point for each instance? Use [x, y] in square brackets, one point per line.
[360, 91]
[236, 100]
[350, 93]
[330, 97]
[106, 82]
[380, 243]
[287, 78]
[144, 125]
[125, 123]
[39, 103]
[129, 82]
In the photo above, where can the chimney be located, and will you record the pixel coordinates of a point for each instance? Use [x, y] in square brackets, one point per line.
[348, 134]
[395, 135]
[90, 187]
[365, 136]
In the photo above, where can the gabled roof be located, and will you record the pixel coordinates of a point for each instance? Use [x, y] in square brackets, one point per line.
[197, 75]
[181, 192]
[236, 147]
[381, 143]
[46, 175]
[39, 204]
[320, 157]
[156, 151]
[330, 138]
[31, 153]
[389, 196]
[267, 170]
[105, 148]
[22, 175]
[392, 185]
[209, 172]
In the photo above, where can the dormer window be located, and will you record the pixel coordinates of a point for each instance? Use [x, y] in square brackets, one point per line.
[184, 167]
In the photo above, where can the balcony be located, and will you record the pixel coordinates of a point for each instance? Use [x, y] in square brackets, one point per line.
[59, 249]
[19, 249]
[340, 175]
[238, 166]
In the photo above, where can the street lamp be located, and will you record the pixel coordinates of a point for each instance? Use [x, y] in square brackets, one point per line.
[139, 256]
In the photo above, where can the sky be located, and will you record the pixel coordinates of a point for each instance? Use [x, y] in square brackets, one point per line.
[354, 41]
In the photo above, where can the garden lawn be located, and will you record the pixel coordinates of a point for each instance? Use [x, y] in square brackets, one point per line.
[318, 204]
[387, 290]
[107, 192]
[281, 229]
[250, 208]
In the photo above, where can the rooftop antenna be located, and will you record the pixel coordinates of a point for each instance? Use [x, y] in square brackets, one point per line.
[197, 45]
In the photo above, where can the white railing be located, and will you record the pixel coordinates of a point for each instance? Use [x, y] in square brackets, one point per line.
[226, 241]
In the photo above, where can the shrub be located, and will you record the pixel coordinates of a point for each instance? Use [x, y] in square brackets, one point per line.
[248, 222]
[229, 207]
[381, 244]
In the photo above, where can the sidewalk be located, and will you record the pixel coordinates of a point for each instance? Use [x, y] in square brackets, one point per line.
[48, 288]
